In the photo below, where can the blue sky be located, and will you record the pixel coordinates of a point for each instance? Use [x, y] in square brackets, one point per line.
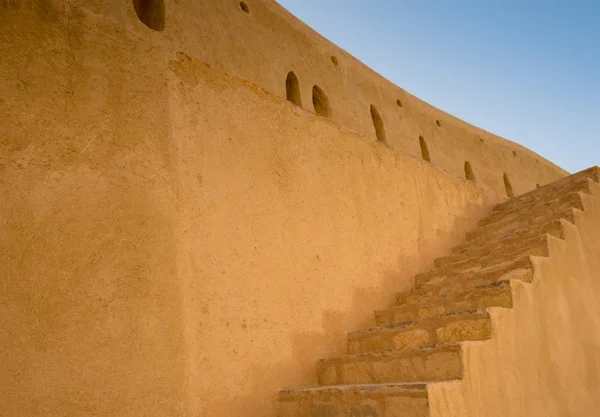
[526, 70]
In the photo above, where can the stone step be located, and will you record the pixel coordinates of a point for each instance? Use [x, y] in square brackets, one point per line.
[483, 234]
[508, 246]
[500, 256]
[367, 400]
[450, 328]
[537, 247]
[439, 275]
[547, 193]
[553, 228]
[430, 363]
[564, 185]
[497, 294]
[534, 209]
[456, 283]
[524, 221]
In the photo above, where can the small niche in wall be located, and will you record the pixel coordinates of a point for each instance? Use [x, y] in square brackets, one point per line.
[292, 89]
[244, 7]
[508, 186]
[378, 124]
[514, 153]
[321, 102]
[424, 149]
[469, 174]
[151, 13]
[438, 123]
[334, 60]
[399, 103]
[537, 186]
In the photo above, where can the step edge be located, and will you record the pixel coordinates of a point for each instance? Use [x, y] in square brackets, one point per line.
[454, 347]
[399, 326]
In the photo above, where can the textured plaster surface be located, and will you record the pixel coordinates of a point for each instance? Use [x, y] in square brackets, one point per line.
[292, 231]
[177, 242]
[263, 46]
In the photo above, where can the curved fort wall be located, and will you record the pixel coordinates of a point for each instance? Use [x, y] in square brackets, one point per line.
[260, 41]
[177, 242]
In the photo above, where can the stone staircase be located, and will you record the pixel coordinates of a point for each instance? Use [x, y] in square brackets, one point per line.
[417, 342]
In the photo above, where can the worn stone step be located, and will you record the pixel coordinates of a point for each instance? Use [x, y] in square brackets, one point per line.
[534, 209]
[446, 285]
[564, 185]
[536, 228]
[546, 193]
[553, 228]
[537, 247]
[483, 234]
[508, 246]
[439, 275]
[497, 294]
[540, 248]
[449, 328]
[365, 400]
[430, 363]
[522, 222]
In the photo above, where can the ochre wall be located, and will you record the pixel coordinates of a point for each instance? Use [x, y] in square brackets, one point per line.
[292, 231]
[543, 358]
[264, 45]
[90, 311]
[175, 241]
[178, 242]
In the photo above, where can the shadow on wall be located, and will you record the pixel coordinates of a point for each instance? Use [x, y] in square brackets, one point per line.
[244, 7]
[292, 88]
[151, 13]
[469, 174]
[321, 102]
[424, 149]
[378, 123]
[508, 186]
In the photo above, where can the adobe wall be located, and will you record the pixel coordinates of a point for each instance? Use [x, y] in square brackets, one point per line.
[327, 225]
[264, 44]
[178, 242]
[543, 358]
[90, 311]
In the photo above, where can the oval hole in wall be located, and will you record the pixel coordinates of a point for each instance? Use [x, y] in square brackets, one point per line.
[335, 60]
[399, 103]
[244, 7]
[469, 174]
[424, 149]
[292, 89]
[508, 186]
[151, 13]
[438, 123]
[378, 123]
[321, 102]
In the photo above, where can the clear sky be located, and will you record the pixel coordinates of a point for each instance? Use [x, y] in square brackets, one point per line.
[527, 70]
